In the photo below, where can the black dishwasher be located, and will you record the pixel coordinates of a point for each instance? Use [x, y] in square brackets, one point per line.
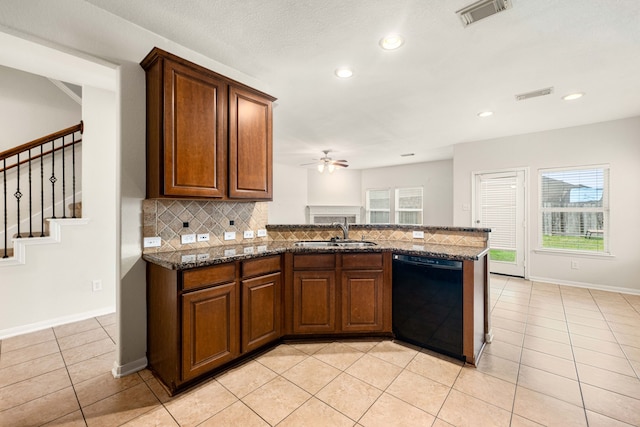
[427, 303]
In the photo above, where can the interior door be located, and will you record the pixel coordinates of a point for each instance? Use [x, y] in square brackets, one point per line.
[500, 206]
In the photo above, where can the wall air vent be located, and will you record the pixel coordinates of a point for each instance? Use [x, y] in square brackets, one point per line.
[535, 93]
[482, 9]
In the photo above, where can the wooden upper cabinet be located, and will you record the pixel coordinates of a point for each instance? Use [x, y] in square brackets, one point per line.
[194, 133]
[250, 145]
[207, 136]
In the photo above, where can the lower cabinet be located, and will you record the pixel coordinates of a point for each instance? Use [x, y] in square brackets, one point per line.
[314, 302]
[202, 318]
[261, 311]
[209, 329]
[362, 301]
[340, 293]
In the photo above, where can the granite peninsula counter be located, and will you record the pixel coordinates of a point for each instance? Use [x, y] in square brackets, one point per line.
[456, 243]
[211, 306]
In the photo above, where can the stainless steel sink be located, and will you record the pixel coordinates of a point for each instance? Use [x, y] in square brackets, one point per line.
[334, 244]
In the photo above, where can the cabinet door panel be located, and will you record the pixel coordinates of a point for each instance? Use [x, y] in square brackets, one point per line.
[209, 329]
[314, 301]
[362, 301]
[195, 139]
[261, 312]
[250, 145]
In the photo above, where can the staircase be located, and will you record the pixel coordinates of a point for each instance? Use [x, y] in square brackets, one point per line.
[38, 180]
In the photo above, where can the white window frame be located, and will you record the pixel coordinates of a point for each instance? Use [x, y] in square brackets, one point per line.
[398, 210]
[368, 205]
[605, 210]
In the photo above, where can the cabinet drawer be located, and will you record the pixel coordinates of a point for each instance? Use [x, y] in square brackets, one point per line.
[362, 260]
[258, 266]
[314, 261]
[214, 275]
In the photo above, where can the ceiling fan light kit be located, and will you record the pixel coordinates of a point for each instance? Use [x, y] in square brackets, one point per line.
[327, 163]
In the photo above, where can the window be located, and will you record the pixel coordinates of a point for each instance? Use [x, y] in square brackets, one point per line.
[574, 209]
[378, 206]
[409, 206]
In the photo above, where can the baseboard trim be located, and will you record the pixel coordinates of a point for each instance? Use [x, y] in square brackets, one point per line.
[119, 371]
[585, 285]
[50, 323]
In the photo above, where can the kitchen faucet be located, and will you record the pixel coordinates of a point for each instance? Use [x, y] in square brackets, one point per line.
[344, 227]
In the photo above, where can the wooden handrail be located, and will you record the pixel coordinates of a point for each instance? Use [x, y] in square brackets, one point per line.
[38, 142]
[37, 156]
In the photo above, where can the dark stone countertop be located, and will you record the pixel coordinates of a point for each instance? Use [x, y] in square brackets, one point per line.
[378, 227]
[191, 258]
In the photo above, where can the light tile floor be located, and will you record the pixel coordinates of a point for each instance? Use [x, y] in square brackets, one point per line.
[561, 356]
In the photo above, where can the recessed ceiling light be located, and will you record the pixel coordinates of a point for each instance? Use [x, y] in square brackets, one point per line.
[391, 42]
[485, 113]
[344, 72]
[573, 96]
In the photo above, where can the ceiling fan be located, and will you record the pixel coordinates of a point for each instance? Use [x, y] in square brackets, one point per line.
[326, 162]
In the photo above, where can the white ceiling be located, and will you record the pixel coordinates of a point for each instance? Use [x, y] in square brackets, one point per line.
[424, 97]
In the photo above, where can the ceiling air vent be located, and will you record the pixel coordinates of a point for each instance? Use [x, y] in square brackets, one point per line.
[482, 9]
[535, 93]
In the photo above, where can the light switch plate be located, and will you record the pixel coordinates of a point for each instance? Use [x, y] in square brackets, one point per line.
[202, 257]
[418, 234]
[248, 234]
[262, 233]
[152, 242]
[204, 237]
[187, 238]
[229, 235]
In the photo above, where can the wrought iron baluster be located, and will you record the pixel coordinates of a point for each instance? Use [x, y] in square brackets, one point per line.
[18, 194]
[53, 179]
[4, 176]
[64, 184]
[73, 162]
[30, 198]
[41, 192]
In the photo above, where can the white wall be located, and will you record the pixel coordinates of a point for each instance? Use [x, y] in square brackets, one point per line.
[616, 143]
[436, 178]
[340, 188]
[31, 107]
[73, 26]
[56, 283]
[289, 195]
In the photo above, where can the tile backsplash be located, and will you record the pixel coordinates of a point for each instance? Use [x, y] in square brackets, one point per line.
[165, 218]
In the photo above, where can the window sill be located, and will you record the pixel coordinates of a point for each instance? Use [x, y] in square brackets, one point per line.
[584, 254]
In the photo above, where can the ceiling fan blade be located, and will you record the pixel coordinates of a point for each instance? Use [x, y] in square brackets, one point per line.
[307, 164]
[342, 165]
[340, 161]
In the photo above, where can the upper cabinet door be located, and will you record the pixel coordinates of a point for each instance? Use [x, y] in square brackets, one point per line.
[250, 145]
[194, 133]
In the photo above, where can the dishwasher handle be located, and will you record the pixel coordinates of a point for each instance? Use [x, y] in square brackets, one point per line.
[439, 263]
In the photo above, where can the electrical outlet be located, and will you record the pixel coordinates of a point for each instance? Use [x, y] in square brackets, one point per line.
[204, 237]
[229, 252]
[418, 234]
[262, 233]
[229, 235]
[248, 234]
[187, 238]
[249, 250]
[202, 257]
[262, 248]
[96, 285]
[575, 265]
[188, 258]
[152, 242]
